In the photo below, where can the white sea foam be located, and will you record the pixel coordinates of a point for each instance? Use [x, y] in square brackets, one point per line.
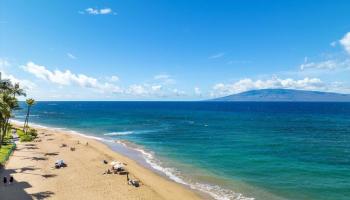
[214, 191]
[20, 123]
[119, 133]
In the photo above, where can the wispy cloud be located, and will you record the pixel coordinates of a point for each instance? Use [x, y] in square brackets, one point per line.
[327, 64]
[217, 55]
[95, 11]
[164, 79]
[333, 44]
[71, 56]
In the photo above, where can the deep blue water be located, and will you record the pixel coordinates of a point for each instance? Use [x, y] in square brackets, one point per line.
[262, 150]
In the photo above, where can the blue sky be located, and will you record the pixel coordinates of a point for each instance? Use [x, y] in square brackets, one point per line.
[173, 50]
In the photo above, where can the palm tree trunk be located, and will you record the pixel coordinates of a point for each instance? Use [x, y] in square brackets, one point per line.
[26, 121]
[4, 131]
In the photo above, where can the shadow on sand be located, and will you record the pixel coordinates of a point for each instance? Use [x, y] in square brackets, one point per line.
[51, 154]
[16, 190]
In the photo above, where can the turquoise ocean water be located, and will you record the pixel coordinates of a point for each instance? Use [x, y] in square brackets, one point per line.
[227, 150]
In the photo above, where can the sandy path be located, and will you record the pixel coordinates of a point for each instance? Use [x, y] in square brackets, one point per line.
[31, 166]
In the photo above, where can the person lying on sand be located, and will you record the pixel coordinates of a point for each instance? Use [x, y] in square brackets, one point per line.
[108, 171]
[63, 145]
[133, 182]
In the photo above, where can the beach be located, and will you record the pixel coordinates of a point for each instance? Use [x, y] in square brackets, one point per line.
[32, 166]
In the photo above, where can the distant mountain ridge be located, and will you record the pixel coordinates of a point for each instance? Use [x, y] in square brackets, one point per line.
[286, 95]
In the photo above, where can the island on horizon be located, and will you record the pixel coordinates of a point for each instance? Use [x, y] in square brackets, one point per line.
[286, 95]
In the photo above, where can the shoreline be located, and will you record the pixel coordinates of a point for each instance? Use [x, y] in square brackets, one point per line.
[154, 186]
[146, 159]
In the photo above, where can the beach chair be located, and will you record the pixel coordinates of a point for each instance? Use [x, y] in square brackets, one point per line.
[59, 164]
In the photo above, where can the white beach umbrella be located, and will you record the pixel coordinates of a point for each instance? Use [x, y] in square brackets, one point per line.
[114, 163]
[118, 166]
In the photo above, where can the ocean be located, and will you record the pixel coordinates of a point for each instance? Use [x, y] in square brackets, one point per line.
[226, 150]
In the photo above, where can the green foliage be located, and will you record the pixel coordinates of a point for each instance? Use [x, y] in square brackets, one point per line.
[20, 133]
[7, 138]
[8, 103]
[5, 152]
[27, 137]
[33, 132]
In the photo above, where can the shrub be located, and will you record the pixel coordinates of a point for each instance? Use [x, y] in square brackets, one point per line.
[29, 136]
[26, 138]
[33, 132]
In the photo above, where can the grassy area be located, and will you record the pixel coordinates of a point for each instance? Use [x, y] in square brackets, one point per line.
[8, 146]
[5, 152]
[30, 136]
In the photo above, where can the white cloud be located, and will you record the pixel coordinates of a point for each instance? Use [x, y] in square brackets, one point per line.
[105, 11]
[246, 84]
[217, 55]
[345, 42]
[153, 91]
[156, 87]
[25, 84]
[138, 90]
[326, 65]
[197, 91]
[68, 78]
[71, 56]
[178, 92]
[113, 78]
[164, 79]
[95, 11]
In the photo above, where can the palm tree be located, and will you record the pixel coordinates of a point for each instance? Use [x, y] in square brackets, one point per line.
[5, 85]
[7, 105]
[30, 102]
[16, 90]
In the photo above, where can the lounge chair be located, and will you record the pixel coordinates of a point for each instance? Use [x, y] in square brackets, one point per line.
[59, 164]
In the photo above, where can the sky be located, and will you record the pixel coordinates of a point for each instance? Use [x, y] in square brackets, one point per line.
[173, 50]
